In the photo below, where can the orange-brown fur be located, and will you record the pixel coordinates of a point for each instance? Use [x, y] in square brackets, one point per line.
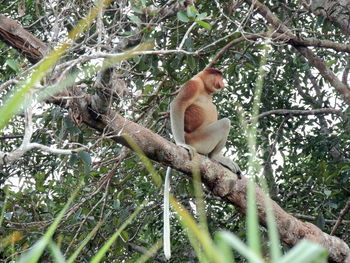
[196, 98]
[194, 117]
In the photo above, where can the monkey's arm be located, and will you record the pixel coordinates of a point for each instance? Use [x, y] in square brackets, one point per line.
[177, 127]
[177, 113]
[178, 106]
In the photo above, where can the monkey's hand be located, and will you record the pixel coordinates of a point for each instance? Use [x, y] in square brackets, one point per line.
[192, 151]
[227, 162]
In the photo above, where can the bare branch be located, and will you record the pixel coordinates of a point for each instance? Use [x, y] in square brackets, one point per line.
[302, 112]
[313, 218]
[341, 217]
[8, 158]
[314, 60]
[313, 42]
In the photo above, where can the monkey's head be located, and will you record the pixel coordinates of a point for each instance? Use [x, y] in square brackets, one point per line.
[212, 79]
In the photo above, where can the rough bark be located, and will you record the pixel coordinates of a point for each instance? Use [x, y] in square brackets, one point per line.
[218, 179]
[16, 36]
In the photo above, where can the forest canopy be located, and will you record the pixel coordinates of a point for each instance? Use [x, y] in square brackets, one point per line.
[76, 77]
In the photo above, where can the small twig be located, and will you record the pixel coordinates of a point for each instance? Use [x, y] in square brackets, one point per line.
[302, 112]
[341, 217]
[81, 225]
[278, 133]
[26, 145]
[145, 251]
[10, 137]
[313, 218]
[346, 73]
[186, 36]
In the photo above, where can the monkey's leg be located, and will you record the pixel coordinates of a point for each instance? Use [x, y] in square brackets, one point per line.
[227, 162]
[211, 139]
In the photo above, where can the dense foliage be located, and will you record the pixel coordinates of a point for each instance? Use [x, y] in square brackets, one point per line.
[305, 158]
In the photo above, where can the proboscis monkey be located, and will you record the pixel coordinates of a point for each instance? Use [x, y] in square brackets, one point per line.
[195, 126]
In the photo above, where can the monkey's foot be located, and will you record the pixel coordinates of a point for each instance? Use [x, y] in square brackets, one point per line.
[192, 151]
[227, 162]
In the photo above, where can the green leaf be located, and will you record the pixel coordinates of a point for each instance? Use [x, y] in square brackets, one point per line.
[73, 159]
[189, 44]
[126, 33]
[331, 62]
[320, 221]
[12, 64]
[305, 252]
[116, 204]
[239, 246]
[191, 62]
[201, 16]
[182, 17]
[137, 10]
[204, 24]
[135, 19]
[192, 11]
[327, 192]
[125, 235]
[85, 156]
[249, 65]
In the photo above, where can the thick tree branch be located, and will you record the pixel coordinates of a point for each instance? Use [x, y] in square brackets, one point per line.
[16, 36]
[217, 178]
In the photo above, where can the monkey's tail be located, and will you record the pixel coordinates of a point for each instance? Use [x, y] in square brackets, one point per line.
[166, 216]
